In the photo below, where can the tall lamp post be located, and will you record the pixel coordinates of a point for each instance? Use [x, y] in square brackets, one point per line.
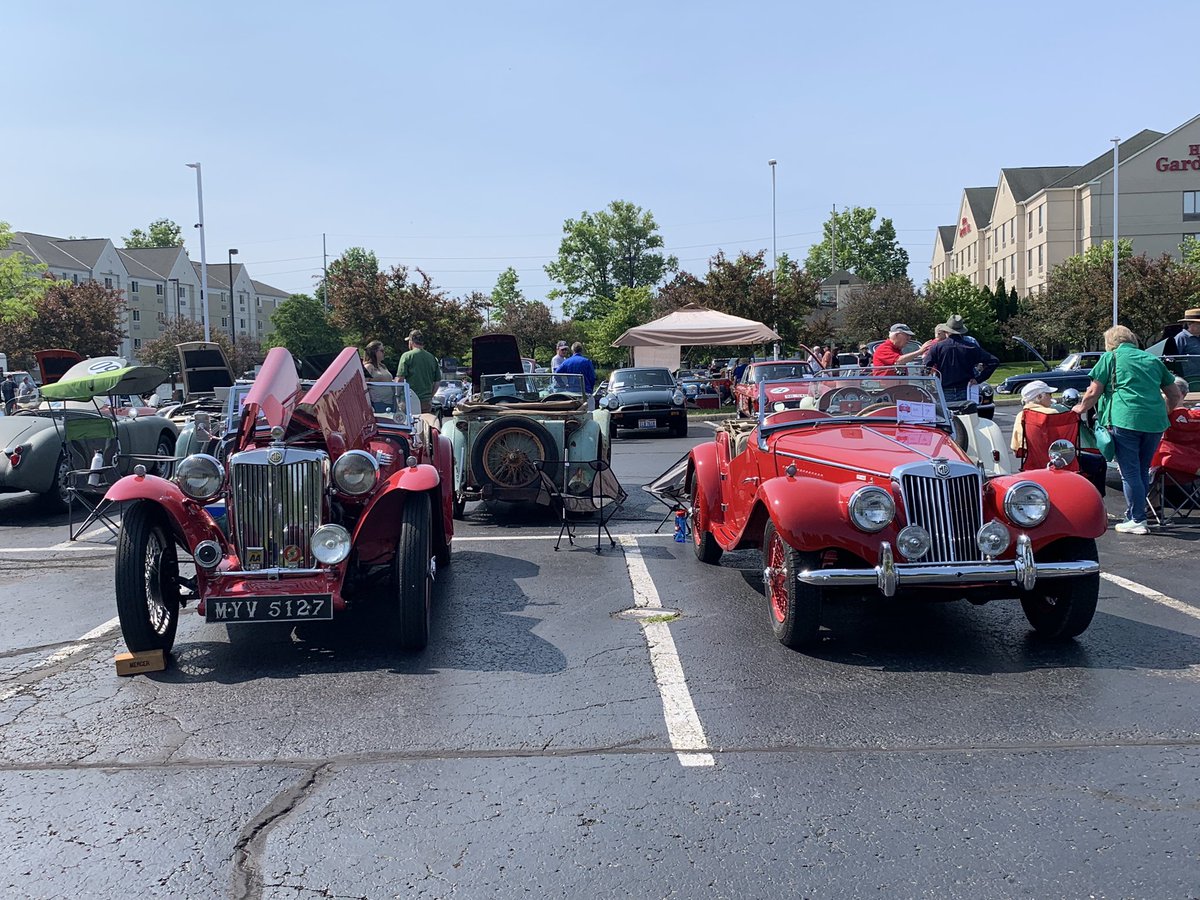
[203, 255]
[1116, 142]
[771, 163]
[173, 299]
[232, 311]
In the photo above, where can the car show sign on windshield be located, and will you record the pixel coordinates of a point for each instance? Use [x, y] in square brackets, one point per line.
[915, 412]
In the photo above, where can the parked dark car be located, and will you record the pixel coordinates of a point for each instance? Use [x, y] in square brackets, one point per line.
[1073, 372]
[645, 398]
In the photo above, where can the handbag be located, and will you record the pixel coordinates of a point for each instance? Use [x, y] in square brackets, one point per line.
[1104, 439]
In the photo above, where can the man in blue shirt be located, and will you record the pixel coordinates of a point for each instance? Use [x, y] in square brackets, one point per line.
[958, 361]
[578, 364]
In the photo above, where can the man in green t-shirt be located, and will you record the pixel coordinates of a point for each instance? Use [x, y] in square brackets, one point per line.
[420, 369]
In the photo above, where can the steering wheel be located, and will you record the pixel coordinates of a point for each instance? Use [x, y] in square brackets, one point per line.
[911, 393]
[560, 396]
[827, 400]
[504, 398]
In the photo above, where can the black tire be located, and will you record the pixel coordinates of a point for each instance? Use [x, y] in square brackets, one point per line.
[147, 579]
[680, 430]
[56, 498]
[795, 608]
[530, 443]
[166, 447]
[1062, 608]
[706, 546]
[414, 578]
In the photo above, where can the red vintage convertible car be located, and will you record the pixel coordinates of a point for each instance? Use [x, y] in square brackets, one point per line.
[310, 497]
[787, 388]
[863, 490]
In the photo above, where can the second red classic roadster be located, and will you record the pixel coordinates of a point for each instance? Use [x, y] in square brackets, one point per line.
[314, 499]
[862, 489]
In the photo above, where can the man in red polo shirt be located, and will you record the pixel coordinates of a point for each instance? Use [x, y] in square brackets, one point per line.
[892, 352]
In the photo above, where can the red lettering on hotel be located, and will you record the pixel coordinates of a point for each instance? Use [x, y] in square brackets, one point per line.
[1193, 149]
[965, 229]
[1163, 164]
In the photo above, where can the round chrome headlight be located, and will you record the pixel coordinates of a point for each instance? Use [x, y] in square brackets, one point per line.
[1026, 504]
[200, 476]
[779, 406]
[871, 509]
[611, 401]
[913, 541]
[677, 398]
[355, 472]
[1062, 453]
[331, 544]
[993, 539]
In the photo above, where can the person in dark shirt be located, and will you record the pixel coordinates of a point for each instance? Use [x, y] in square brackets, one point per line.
[578, 364]
[8, 393]
[958, 361]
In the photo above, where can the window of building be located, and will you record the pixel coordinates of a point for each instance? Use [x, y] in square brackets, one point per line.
[1029, 216]
[224, 321]
[1029, 260]
[133, 287]
[108, 283]
[989, 245]
[242, 324]
[75, 279]
[241, 299]
[136, 314]
[137, 343]
[258, 302]
[162, 317]
[181, 291]
[1191, 206]
[1040, 246]
[158, 290]
[1012, 265]
[1041, 224]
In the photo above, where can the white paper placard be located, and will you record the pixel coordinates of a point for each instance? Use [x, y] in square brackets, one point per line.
[972, 393]
[914, 412]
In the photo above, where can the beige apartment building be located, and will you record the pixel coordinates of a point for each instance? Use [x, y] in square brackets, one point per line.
[1036, 217]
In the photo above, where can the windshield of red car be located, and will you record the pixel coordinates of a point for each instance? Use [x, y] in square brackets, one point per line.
[779, 372]
[897, 396]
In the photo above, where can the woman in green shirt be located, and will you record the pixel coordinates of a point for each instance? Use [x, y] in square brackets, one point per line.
[1134, 390]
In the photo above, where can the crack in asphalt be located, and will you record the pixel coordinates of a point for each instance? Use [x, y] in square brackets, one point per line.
[625, 748]
[247, 851]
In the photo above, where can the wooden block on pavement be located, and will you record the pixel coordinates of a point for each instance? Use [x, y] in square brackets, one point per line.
[137, 663]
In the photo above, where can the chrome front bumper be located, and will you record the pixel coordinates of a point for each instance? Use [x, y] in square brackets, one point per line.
[888, 575]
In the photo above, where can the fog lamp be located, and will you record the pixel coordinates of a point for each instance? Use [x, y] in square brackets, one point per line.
[913, 541]
[331, 544]
[207, 554]
[993, 539]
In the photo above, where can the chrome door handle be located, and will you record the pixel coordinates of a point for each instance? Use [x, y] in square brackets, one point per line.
[753, 479]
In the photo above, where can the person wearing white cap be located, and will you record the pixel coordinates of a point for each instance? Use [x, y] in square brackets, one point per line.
[892, 352]
[561, 352]
[1035, 396]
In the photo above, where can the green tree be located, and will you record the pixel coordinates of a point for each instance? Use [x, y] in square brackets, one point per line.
[85, 317]
[956, 295]
[302, 325]
[873, 254]
[1190, 252]
[532, 325]
[22, 280]
[506, 293]
[161, 351]
[356, 266]
[599, 252]
[160, 233]
[630, 307]
[867, 316]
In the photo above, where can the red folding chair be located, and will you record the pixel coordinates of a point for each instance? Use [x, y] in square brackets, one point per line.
[1175, 470]
[1042, 430]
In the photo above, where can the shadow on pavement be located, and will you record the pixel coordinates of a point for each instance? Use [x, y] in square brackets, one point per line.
[490, 630]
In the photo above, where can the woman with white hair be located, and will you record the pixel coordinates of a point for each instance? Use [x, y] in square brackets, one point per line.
[1034, 396]
[1134, 391]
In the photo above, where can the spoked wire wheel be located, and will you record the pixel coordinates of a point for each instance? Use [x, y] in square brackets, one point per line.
[510, 455]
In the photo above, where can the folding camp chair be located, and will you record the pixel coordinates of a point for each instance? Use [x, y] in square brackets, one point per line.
[669, 489]
[582, 488]
[1175, 469]
[91, 448]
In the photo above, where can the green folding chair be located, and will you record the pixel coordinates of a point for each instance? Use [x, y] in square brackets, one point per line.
[89, 477]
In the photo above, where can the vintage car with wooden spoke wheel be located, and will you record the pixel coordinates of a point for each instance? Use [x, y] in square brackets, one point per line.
[316, 500]
[863, 490]
[516, 428]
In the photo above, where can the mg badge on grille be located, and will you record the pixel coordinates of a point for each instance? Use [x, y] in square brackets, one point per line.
[942, 468]
[275, 457]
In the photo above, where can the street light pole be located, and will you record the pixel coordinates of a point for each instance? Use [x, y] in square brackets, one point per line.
[203, 255]
[774, 274]
[232, 311]
[173, 302]
[1116, 142]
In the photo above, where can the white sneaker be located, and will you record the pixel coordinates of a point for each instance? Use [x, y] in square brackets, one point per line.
[1132, 527]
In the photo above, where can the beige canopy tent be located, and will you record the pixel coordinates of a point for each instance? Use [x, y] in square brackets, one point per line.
[657, 343]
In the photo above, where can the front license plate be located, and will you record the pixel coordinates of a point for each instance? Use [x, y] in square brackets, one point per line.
[647, 423]
[295, 608]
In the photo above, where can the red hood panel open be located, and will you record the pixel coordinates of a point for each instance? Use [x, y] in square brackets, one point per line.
[273, 395]
[338, 403]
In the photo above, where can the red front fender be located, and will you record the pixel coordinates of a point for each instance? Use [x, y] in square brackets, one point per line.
[379, 526]
[807, 513]
[706, 473]
[190, 520]
[1076, 509]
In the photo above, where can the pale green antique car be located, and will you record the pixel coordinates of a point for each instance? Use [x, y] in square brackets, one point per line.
[516, 428]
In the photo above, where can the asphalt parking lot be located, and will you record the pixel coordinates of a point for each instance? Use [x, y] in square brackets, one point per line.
[563, 735]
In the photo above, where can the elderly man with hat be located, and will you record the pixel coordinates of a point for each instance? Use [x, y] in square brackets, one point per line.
[959, 362]
[420, 369]
[1187, 343]
[561, 355]
[894, 352]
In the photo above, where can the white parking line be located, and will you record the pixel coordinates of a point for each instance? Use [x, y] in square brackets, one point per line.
[553, 537]
[83, 642]
[683, 723]
[1151, 594]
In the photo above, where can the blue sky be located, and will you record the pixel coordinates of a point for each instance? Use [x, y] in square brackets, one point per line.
[458, 137]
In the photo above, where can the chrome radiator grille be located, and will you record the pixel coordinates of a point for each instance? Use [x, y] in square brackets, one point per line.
[275, 508]
[950, 508]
